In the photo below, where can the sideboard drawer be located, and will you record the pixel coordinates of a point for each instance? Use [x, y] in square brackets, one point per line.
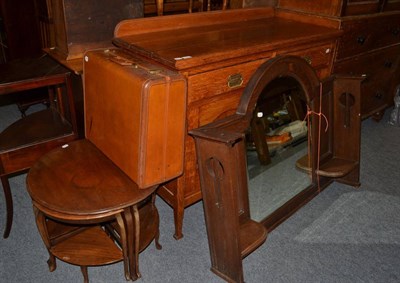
[223, 80]
[363, 35]
[216, 82]
[318, 57]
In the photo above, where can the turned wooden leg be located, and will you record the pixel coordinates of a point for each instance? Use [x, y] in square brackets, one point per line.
[190, 6]
[224, 4]
[160, 7]
[85, 274]
[9, 205]
[132, 226]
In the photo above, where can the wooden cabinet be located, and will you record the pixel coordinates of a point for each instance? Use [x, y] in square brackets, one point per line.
[370, 46]
[84, 25]
[379, 69]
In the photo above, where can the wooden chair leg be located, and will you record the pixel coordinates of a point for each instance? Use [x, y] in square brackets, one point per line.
[9, 205]
[85, 274]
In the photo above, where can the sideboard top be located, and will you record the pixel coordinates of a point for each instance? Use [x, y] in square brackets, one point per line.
[188, 41]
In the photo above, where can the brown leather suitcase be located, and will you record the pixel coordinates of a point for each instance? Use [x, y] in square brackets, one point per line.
[135, 112]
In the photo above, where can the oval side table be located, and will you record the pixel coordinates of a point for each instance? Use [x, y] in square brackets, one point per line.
[88, 212]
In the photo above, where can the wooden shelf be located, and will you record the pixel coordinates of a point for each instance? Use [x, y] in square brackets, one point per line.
[333, 168]
[251, 235]
[304, 164]
[91, 247]
[336, 168]
[34, 128]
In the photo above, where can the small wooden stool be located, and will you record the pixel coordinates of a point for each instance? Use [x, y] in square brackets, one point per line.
[84, 205]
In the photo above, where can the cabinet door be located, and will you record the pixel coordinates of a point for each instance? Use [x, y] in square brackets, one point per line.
[359, 7]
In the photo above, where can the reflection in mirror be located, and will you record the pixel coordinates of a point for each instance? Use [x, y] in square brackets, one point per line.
[277, 138]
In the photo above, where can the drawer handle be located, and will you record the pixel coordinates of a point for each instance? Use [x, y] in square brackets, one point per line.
[388, 64]
[361, 39]
[396, 31]
[235, 80]
[308, 59]
[379, 95]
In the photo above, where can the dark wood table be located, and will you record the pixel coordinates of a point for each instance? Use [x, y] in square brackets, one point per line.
[77, 192]
[27, 139]
[25, 74]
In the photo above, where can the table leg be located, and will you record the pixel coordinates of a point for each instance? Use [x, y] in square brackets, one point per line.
[9, 205]
[132, 225]
[42, 227]
[123, 243]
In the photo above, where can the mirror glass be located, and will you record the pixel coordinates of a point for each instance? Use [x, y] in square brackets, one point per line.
[276, 140]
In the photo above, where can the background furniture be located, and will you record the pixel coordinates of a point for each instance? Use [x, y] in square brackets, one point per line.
[89, 24]
[27, 139]
[88, 211]
[370, 45]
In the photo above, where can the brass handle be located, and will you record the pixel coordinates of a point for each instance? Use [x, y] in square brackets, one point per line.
[388, 64]
[379, 95]
[308, 59]
[235, 80]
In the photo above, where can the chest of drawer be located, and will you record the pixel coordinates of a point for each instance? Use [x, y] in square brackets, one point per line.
[381, 76]
[362, 35]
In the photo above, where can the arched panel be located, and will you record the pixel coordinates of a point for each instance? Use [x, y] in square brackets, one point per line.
[281, 66]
